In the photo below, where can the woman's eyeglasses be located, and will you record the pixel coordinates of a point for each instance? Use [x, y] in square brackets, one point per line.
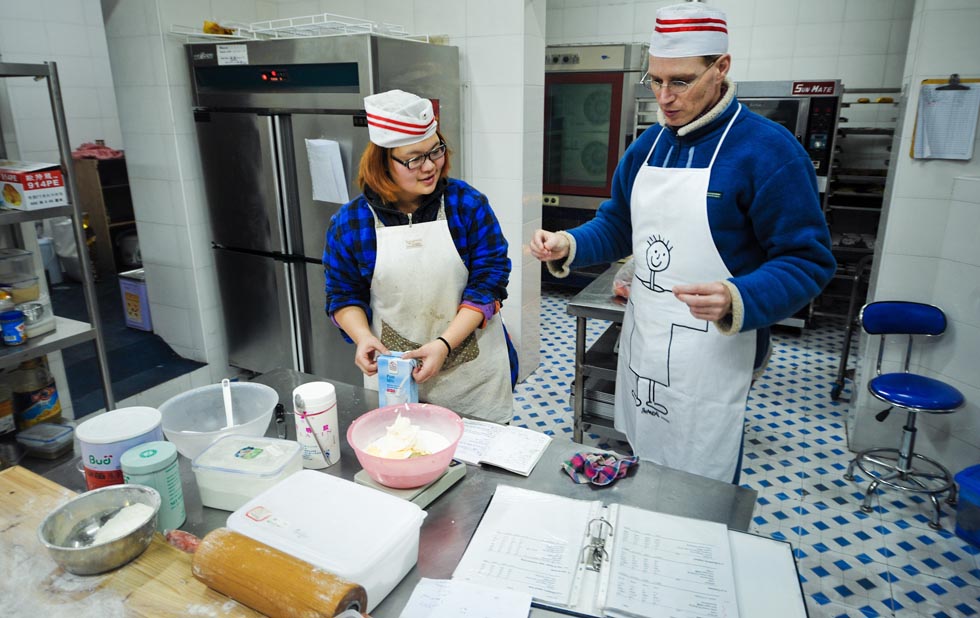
[675, 86]
[416, 162]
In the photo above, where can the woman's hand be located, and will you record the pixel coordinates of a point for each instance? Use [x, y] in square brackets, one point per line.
[366, 356]
[547, 246]
[430, 357]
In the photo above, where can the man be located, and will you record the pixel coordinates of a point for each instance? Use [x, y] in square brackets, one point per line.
[719, 208]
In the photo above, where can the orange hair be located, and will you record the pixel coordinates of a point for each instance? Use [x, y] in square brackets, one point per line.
[373, 170]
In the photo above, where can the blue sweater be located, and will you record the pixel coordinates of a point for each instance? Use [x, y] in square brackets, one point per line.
[763, 210]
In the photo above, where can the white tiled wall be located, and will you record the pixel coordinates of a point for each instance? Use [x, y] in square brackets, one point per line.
[164, 167]
[70, 33]
[930, 250]
[861, 42]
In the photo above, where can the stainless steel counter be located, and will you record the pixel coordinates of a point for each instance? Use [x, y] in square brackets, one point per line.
[453, 517]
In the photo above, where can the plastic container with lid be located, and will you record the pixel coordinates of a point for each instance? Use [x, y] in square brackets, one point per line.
[39, 317]
[317, 424]
[106, 437]
[13, 324]
[154, 464]
[16, 265]
[7, 424]
[235, 468]
[968, 506]
[47, 440]
[22, 289]
[361, 534]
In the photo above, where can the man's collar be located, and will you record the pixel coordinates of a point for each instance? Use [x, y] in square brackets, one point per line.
[728, 94]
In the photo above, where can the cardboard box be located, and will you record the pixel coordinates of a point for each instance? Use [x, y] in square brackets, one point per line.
[25, 185]
[136, 303]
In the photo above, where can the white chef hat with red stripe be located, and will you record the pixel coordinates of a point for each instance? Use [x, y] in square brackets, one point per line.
[689, 29]
[397, 118]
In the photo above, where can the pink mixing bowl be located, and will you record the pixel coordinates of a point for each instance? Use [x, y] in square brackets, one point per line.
[415, 471]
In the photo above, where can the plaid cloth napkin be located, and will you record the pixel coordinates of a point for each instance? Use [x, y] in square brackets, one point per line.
[598, 468]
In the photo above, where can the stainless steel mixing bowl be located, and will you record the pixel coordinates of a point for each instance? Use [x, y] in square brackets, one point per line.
[68, 531]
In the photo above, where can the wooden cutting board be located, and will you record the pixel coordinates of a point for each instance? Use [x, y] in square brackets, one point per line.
[158, 584]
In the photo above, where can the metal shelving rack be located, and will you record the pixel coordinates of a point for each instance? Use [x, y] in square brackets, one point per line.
[854, 201]
[67, 332]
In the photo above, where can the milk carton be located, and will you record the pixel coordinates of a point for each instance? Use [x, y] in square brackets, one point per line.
[395, 382]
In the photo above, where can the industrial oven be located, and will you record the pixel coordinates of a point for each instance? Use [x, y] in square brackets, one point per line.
[256, 104]
[588, 123]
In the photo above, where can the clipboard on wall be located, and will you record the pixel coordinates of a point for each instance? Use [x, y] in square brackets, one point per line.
[946, 119]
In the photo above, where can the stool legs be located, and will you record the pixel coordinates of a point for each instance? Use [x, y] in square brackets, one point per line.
[895, 468]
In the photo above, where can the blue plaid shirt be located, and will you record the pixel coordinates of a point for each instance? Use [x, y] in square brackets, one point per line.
[351, 248]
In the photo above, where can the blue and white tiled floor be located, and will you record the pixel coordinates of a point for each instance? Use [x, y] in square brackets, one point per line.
[886, 563]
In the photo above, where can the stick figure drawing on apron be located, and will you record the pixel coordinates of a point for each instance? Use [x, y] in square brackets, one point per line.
[657, 368]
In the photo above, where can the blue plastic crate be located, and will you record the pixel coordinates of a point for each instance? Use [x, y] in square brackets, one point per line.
[968, 509]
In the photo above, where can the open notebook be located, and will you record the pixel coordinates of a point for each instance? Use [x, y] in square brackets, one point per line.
[584, 558]
[512, 448]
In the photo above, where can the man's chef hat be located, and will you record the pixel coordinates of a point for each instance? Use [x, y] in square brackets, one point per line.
[689, 29]
[396, 118]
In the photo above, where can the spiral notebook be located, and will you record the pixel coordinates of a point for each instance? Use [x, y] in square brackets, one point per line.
[583, 558]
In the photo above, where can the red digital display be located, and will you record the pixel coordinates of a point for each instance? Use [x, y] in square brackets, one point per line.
[276, 75]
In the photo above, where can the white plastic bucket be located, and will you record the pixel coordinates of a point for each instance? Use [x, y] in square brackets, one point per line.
[106, 437]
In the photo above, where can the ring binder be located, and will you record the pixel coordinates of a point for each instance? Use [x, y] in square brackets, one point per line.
[594, 553]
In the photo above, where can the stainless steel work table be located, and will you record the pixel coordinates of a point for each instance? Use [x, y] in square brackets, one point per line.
[595, 369]
[453, 517]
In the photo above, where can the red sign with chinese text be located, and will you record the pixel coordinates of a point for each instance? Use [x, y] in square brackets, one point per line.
[813, 88]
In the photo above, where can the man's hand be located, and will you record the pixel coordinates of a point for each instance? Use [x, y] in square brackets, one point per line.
[707, 301]
[547, 246]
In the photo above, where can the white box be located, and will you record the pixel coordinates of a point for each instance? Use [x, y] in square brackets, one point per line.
[236, 468]
[27, 185]
[358, 533]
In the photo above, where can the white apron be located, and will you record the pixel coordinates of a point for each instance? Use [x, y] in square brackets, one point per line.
[681, 385]
[418, 282]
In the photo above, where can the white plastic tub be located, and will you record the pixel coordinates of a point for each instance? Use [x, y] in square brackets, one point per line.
[236, 468]
[361, 534]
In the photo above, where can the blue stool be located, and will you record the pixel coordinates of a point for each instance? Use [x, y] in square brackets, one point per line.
[903, 468]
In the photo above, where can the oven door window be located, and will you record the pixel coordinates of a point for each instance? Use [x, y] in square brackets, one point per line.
[581, 132]
[781, 111]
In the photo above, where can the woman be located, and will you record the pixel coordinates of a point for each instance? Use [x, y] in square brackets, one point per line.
[417, 264]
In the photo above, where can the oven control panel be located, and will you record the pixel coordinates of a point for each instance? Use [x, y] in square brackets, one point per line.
[820, 127]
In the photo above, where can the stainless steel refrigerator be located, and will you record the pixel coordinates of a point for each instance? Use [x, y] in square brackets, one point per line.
[255, 105]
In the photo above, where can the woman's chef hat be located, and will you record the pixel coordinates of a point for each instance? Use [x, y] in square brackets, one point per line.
[689, 29]
[396, 118]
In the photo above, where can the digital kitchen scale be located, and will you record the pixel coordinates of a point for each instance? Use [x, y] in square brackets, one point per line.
[424, 495]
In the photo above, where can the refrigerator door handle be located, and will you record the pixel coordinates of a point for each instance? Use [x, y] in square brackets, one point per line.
[288, 203]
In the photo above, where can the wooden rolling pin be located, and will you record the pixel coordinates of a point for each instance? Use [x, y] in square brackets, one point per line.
[270, 581]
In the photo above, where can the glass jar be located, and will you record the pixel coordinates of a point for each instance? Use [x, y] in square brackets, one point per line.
[35, 394]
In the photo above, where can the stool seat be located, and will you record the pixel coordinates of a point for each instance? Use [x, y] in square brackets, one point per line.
[910, 390]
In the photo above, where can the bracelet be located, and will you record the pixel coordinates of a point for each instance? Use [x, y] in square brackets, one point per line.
[448, 347]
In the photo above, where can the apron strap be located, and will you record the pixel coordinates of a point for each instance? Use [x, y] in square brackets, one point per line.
[724, 135]
[717, 148]
[655, 142]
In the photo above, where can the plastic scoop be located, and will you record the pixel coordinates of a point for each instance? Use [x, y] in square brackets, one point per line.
[226, 393]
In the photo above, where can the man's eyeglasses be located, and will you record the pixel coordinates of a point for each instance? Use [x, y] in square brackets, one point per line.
[676, 86]
[433, 155]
